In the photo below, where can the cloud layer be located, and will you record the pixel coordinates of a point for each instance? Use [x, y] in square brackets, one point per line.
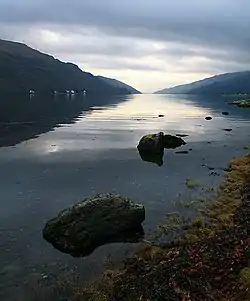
[150, 44]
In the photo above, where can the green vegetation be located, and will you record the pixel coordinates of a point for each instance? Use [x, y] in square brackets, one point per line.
[148, 137]
[191, 183]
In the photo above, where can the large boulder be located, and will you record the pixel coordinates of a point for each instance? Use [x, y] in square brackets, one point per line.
[95, 221]
[151, 143]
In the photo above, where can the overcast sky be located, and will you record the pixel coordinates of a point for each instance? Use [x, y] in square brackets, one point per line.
[150, 44]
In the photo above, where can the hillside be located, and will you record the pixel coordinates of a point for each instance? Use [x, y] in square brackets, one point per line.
[228, 83]
[120, 85]
[23, 68]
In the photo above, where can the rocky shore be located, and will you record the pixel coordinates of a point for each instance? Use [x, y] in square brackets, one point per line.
[209, 262]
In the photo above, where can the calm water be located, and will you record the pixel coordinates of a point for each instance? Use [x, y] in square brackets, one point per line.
[65, 152]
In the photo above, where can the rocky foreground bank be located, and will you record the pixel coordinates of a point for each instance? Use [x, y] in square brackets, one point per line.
[211, 261]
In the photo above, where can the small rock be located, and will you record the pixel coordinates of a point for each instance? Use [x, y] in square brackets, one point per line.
[160, 115]
[225, 113]
[208, 118]
[182, 152]
[227, 130]
[211, 168]
[181, 135]
[214, 173]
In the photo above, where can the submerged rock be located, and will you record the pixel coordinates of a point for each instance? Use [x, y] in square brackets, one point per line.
[225, 113]
[151, 143]
[105, 218]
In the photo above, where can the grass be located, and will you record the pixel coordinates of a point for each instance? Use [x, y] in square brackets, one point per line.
[191, 183]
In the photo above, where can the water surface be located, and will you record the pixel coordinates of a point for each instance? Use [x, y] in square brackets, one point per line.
[70, 149]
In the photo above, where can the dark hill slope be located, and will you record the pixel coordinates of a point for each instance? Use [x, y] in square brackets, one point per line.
[23, 68]
[228, 83]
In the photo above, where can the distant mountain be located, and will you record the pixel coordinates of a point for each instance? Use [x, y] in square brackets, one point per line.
[228, 83]
[119, 85]
[23, 68]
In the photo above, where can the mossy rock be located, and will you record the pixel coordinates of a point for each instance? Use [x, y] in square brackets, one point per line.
[155, 143]
[151, 143]
[148, 137]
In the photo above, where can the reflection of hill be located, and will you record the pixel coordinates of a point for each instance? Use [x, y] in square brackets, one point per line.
[23, 118]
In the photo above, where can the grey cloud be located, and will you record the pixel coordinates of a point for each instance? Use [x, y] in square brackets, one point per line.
[103, 62]
[211, 29]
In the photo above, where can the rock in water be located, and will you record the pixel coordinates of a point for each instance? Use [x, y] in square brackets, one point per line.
[155, 143]
[96, 221]
[170, 141]
[208, 118]
[242, 103]
[152, 143]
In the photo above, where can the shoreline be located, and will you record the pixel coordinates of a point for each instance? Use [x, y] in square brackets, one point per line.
[209, 262]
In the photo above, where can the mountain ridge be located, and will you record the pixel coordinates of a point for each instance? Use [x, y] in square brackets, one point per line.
[226, 83]
[119, 84]
[23, 68]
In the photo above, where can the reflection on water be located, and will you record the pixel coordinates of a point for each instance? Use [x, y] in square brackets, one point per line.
[108, 123]
[78, 248]
[89, 147]
[156, 158]
[23, 118]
